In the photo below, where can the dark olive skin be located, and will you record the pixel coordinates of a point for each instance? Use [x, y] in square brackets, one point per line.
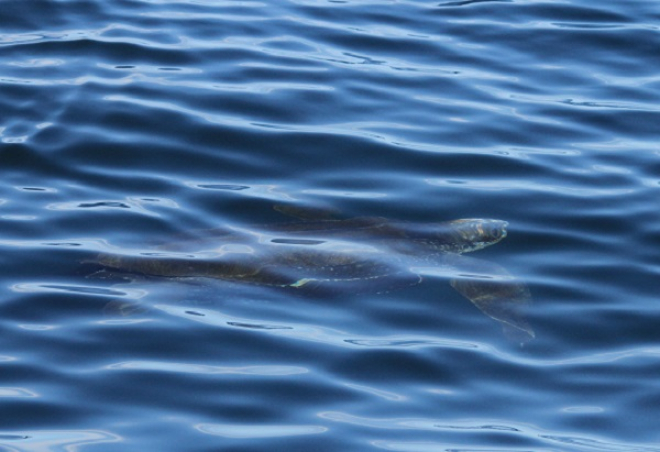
[353, 253]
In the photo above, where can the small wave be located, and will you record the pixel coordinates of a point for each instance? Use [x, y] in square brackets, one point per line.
[133, 294]
[157, 366]
[259, 431]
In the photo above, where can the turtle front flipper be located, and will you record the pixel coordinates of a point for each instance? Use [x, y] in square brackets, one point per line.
[495, 292]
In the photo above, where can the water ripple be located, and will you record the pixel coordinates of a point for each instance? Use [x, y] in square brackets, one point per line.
[259, 431]
[527, 434]
[129, 123]
[43, 440]
[206, 369]
[311, 333]
[133, 294]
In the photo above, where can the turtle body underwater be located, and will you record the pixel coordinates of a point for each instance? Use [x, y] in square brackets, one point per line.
[319, 253]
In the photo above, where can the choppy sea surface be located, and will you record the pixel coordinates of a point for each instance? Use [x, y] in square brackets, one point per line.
[126, 124]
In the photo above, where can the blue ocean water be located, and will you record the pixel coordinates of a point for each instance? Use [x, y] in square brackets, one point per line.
[130, 123]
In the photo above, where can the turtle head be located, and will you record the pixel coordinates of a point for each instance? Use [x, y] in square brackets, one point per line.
[475, 234]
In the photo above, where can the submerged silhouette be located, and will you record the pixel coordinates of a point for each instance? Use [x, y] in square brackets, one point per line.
[320, 253]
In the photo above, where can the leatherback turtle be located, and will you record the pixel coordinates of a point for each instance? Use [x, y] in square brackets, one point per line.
[322, 253]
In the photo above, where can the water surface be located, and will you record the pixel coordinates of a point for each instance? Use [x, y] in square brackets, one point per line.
[126, 124]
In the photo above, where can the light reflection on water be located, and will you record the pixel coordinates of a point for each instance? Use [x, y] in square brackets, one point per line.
[126, 125]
